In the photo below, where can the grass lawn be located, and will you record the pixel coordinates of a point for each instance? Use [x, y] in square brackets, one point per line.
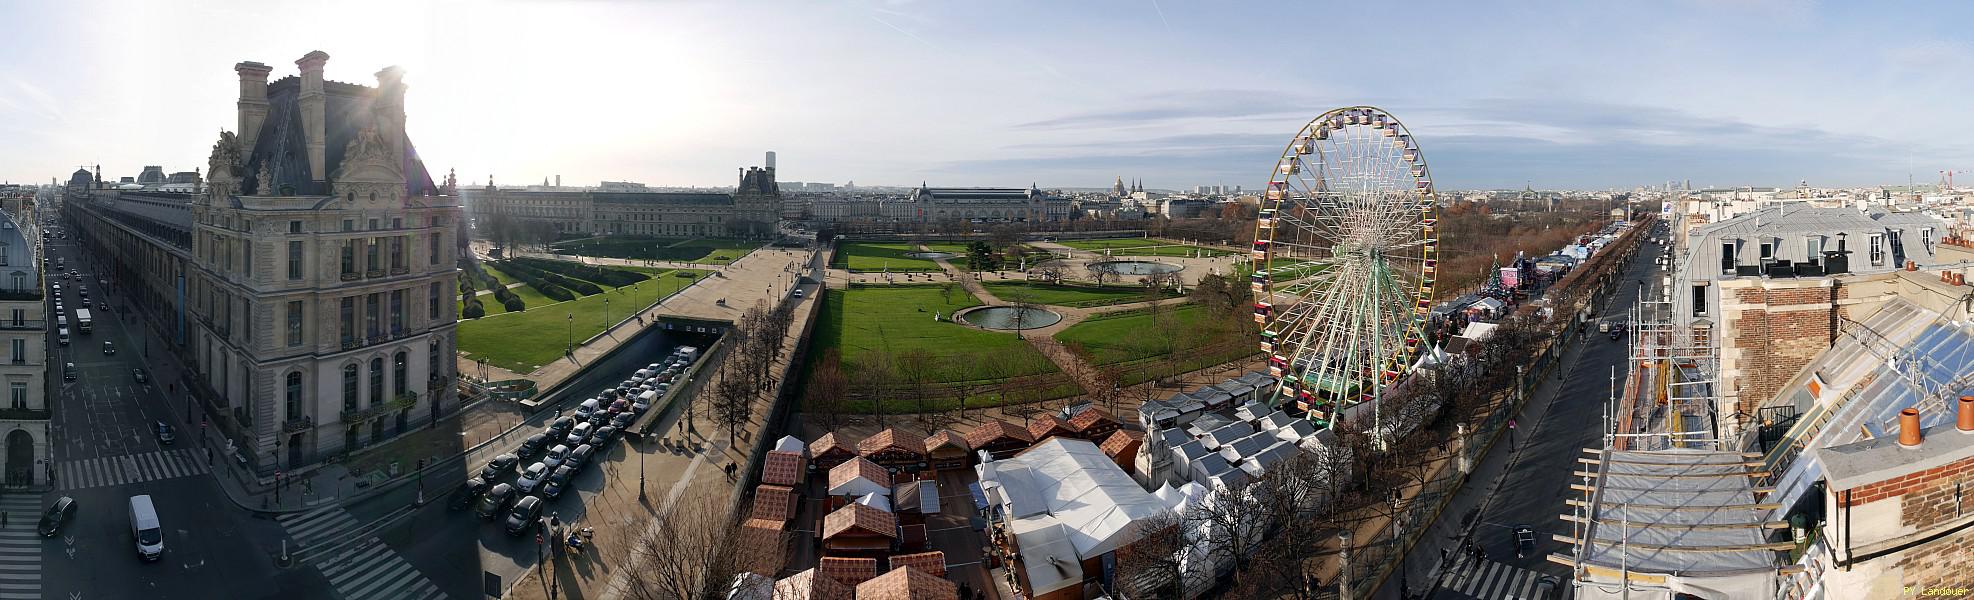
[1141, 247]
[875, 258]
[1067, 295]
[1120, 338]
[863, 321]
[709, 251]
[504, 278]
[524, 341]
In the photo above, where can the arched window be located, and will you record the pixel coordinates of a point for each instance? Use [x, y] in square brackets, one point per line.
[349, 387]
[294, 395]
[398, 374]
[376, 380]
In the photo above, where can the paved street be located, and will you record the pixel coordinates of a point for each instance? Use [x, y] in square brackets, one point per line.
[1525, 482]
[105, 451]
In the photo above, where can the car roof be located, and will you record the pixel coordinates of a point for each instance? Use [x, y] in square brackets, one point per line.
[529, 501]
[501, 488]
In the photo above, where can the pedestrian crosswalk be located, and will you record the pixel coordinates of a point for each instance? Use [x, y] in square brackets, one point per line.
[1489, 580]
[20, 548]
[130, 468]
[358, 567]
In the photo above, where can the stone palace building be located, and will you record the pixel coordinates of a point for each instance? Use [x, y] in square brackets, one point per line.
[311, 284]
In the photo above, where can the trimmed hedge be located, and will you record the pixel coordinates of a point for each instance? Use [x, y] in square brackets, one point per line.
[473, 310]
[602, 275]
[554, 286]
[515, 304]
[502, 294]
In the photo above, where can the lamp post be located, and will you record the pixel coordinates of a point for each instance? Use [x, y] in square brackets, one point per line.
[571, 348]
[606, 312]
[640, 473]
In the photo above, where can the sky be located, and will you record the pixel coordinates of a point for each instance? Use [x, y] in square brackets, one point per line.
[1577, 95]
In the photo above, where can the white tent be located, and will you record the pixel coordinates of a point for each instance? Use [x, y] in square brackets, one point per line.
[1047, 555]
[788, 443]
[1074, 482]
[875, 501]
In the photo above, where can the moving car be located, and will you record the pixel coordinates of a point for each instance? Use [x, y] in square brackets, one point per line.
[466, 494]
[58, 514]
[500, 465]
[604, 434]
[495, 501]
[623, 420]
[139, 374]
[587, 408]
[531, 478]
[524, 516]
[561, 426]
[145, 529]
[68, 370]
[1524, 540]
[109, 348]
[558, 482]
[164, 433]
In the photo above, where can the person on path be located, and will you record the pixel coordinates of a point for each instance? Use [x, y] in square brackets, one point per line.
[1511, 435]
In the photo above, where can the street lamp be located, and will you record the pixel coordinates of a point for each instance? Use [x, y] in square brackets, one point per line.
[606, 312]
[571, 349]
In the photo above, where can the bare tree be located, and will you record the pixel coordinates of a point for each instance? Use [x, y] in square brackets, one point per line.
[1100, 273]
[1109, 381]
[733, 398]
[685, 553]
[917, 369]
[1053, 272]
[873, 379]
[1153, 567]
[967, 379]
[1024, 305]
[828, 389]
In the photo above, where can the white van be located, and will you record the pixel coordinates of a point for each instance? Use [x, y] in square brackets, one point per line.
[145, 529]
[643, 374]
[62, 321]
[587, 408]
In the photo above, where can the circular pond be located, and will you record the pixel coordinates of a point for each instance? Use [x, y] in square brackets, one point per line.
[1137, 267]
[930, 255]
[1008, 317]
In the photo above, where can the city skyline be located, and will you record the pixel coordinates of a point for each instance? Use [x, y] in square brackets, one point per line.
[892, 93]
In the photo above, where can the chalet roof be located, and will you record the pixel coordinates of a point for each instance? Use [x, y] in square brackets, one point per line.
[907, 584]
[996, 429]
[847, 571]
[1044, 426]
[933, 562]
[866, 518]
[946, 438]
[783, 468]
[828, 442]
[774, 502]
[1121, 441]
[1088, 417]
[858, 476]
[882, 440]
[810, 584]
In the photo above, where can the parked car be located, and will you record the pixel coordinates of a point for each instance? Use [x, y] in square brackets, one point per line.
[58, 514]
[558, 482]
[599, 418]
[164, 433]
[604, 434]
[531, 477]
[580, 434]
[620, 406]
[623, 421]
[68, 370]
[561, 426]
[535, 444]
[524, 516]
[500, 465]
[495, 501]
[579, 457]
[555, 456]
[466, 494]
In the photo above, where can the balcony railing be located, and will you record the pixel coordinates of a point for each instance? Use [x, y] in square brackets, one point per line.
[374, 273]
[24, 324]
[25, 414]
[297, 425]
[350, 276]
[20, 295]
[404, 401]
[400, 270]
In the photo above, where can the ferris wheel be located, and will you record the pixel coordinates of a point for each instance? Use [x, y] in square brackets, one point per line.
[1345, 254]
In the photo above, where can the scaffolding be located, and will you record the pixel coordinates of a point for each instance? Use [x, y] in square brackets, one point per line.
[1670, 401]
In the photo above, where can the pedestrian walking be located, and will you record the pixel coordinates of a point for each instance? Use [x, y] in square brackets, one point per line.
[1511, 434]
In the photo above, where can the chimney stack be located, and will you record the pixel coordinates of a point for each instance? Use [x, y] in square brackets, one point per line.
[314, 120]
[253, 102]
[558, 181]
[1964, 419]
[1909, 434]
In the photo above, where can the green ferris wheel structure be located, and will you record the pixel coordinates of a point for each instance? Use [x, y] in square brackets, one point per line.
[1346, 249]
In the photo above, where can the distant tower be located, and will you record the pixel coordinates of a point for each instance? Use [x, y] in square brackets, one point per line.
[771, 160]
[1118, 189]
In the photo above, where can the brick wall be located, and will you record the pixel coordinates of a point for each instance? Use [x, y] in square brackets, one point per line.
[1940, 565]
[1928, 494]
[1778, 332]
